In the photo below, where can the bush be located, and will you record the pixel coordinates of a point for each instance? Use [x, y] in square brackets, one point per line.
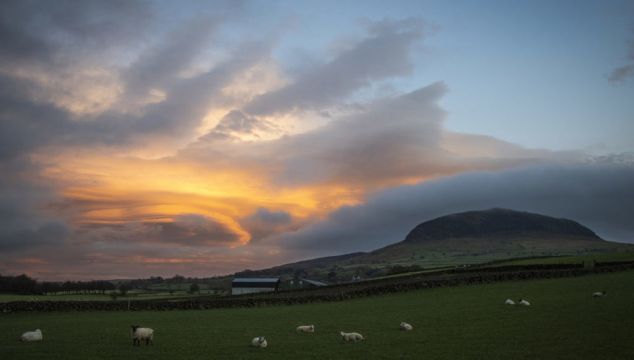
[400, 269]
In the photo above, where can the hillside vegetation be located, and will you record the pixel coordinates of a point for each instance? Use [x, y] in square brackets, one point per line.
[467, 238]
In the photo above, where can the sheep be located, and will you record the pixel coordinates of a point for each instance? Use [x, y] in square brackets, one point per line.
[352, 336]
[407, 327]
[32, 336]
[259, 341]
[142, 333]
[523, 302]
[306, 328]
[509, 302]
[599, 294]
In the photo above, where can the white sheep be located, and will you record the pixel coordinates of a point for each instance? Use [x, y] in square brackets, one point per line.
[352, 336]
[32, 335]
[306, 328]
[599, 294]
[140, 334]
[523, 302]
[259, 341]
[407, 327]
[509, 302]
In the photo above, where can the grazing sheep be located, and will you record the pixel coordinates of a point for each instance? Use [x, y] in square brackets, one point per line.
[140, 334]
[352, 336]
[259, 341]
[509, 302]
[32, 335]
[405, 326]
[599, 294]
[306, 328]
[523, 302]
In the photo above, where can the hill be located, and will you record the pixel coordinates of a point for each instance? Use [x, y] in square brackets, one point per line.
[461, 239]
[495, 223]
[304, 268]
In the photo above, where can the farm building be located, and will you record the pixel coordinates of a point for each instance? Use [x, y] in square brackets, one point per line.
[303, 283]
[300, 283]
[241, 286]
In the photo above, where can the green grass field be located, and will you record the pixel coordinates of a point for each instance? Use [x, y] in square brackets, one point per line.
[468, 322]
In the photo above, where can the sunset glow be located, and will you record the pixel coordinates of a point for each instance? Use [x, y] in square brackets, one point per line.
[144, 139]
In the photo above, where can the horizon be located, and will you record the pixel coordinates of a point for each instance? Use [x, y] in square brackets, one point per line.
[144, 139]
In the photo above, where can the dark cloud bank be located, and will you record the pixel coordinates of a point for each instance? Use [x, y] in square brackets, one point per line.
[601, 197]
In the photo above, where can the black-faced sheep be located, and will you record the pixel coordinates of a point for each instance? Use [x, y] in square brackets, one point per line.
[259, 341]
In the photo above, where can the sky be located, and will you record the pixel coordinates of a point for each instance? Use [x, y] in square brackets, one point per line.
[201, 138]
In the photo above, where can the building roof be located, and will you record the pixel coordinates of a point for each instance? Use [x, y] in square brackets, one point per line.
[314, 282]
[257, 280]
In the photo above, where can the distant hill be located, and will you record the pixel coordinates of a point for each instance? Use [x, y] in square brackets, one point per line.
[497, 223]
[459, 239]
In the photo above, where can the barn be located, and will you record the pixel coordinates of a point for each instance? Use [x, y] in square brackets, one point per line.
[245, 285]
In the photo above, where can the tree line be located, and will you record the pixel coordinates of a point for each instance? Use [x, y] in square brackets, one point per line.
[23, 284]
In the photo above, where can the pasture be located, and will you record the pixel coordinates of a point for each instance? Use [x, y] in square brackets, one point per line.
[468, 322]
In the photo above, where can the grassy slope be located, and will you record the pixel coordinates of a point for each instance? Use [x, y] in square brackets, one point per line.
[470, 322]
[450, 252]
[464, 251]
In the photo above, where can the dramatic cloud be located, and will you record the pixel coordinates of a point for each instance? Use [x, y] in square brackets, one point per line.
[597, 196]
[265, 222]
[237, 125]
[620, 74]
[190, 99]
[47, 32]
[393, 139]
[624, 72]
[384, 54]
[50, 234]
[187, 229]
[24, 221]
[145, 138]
[166, 60]
[64, 53]
[388, 141]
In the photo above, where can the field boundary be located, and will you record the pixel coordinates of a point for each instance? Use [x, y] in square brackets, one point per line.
[449, 278]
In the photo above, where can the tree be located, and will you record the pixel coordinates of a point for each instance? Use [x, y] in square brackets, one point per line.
[21, 284]
[178, 278]
[123, 289]
[193, 288]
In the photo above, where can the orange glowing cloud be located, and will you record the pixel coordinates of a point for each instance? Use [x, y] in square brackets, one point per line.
[98, 189]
